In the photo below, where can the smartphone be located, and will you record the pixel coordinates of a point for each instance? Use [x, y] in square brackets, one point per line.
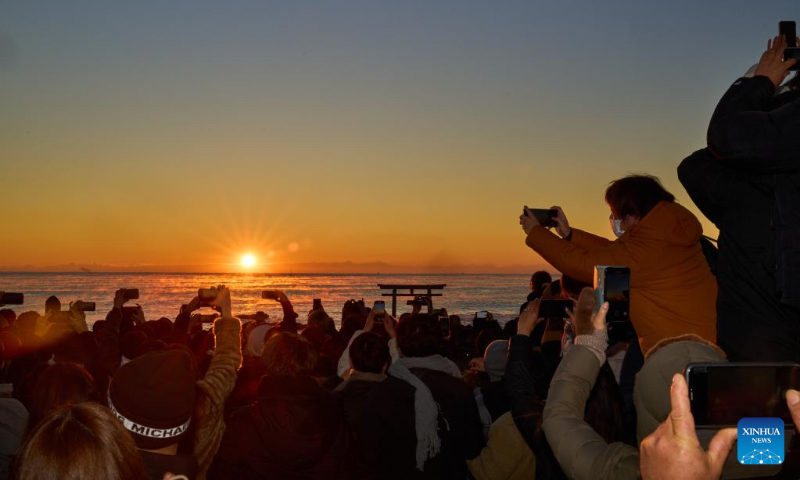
[82, 306]
[613, 284]
[206, 296]
[721, 394]
[270, 294]
[545, 216]
[128, 311]
[482, 315]
[554, 308]
[131, 294]
[317, 304]
[417, 301]
[379, 307]
[8, 298]
[789, 31]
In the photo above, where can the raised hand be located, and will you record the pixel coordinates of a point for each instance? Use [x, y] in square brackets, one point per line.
[223, 302]
[673, 450]
[562, 224]
[587, 318]
[119, 298]
[77, 319]
[138, 316]
[528, 318]
[370, 323]
[771, 64]
[389, 323]
[527, 220]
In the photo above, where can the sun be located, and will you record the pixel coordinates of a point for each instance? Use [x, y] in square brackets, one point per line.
[248, 260]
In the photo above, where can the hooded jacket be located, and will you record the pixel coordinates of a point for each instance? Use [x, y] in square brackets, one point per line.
[672, 290]
[295, 431]
[747, 184]
[582, 452]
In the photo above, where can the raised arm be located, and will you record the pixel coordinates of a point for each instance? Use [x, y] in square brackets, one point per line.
[581, 451]
[215, 387]
[108, 338]
[574, 260]
[520, 385]
[746, 132]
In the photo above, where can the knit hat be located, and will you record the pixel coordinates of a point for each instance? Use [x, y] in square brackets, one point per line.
[255, 341]
[653, 382]
[495, 358]
[153, 396]
[13, 421]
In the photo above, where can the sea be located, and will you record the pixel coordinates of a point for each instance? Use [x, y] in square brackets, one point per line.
[162, 294]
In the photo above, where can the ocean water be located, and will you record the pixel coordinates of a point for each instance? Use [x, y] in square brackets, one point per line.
[161, 294]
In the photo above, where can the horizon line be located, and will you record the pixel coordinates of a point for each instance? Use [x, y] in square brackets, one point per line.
[248, 273]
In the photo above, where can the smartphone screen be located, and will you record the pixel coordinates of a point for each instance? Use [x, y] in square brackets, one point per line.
[482, 315]
[618, 284]
[379, 307]
[789, 32]
[614, 284]
[724, 393]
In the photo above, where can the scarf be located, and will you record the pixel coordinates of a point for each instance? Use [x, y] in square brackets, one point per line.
[426, 410]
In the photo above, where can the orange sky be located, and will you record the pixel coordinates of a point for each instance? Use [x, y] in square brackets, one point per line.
[135, 136]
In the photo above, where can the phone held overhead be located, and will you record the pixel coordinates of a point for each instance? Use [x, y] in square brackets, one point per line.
[8, 298]
[789, 31]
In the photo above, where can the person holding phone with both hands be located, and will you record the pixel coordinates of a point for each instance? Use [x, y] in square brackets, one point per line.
[672, 290]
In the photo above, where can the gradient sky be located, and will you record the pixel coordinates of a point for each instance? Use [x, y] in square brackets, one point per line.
[408, 132]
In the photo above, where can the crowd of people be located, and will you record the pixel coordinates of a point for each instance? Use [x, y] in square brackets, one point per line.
[429, 395]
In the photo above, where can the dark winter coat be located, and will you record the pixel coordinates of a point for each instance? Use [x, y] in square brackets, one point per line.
[387, 428]
[296, 430]
[748, 184]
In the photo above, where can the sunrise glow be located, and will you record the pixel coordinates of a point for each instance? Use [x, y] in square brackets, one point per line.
[248, 260]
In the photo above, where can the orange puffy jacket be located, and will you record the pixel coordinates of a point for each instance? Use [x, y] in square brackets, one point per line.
[672, 289]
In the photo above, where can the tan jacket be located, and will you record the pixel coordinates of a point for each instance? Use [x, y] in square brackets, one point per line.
[213, 391]
[582, 452]
[505, 456]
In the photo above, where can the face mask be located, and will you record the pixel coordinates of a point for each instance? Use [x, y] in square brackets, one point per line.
[616, 226]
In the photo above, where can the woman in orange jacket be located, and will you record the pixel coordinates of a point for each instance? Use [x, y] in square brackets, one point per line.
[672, 290]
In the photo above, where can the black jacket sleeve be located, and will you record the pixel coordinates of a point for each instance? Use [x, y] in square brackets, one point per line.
[108, 342]
[526, 407]
[712, 186]
[745, 132]
[180, 329]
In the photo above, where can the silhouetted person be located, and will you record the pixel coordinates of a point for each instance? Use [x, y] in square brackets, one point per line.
[539, 280]
[748, 183]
